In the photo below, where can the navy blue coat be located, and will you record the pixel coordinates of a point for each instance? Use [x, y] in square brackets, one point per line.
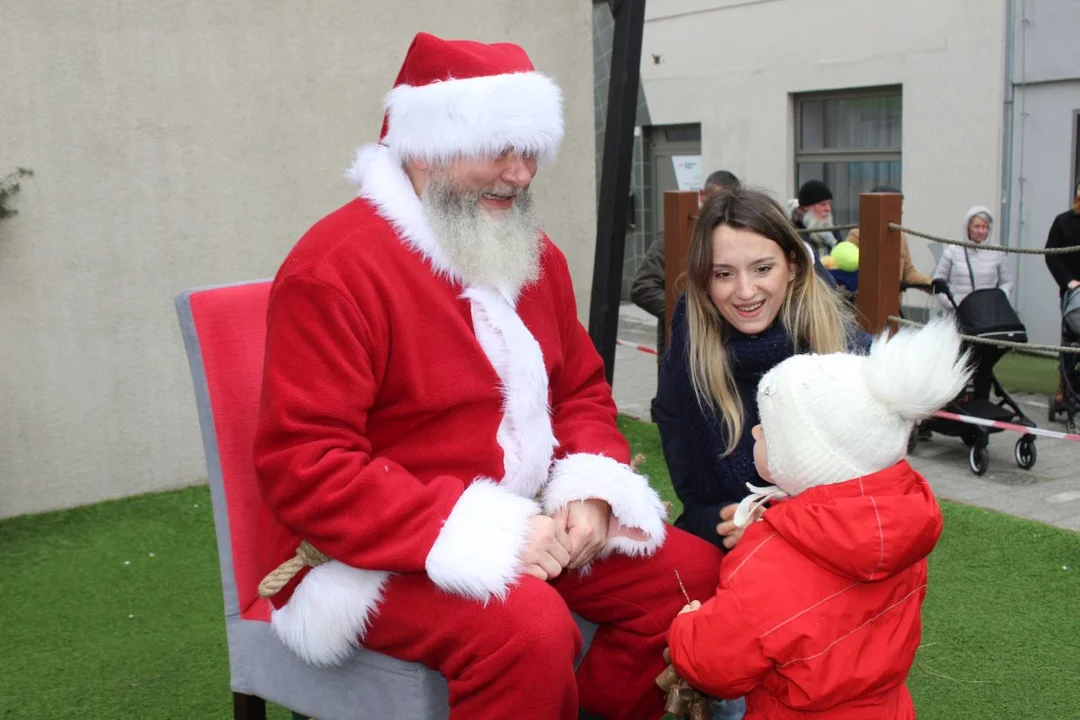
[692, 437]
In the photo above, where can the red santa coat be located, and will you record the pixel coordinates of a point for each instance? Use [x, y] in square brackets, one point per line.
[412, 424]
[818, 612]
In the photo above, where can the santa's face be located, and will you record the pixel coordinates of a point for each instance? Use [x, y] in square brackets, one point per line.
[496, 181]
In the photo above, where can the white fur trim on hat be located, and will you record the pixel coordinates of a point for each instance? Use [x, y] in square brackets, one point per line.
[635, 506]
[382, 180]
[832, 418]
[480, 116]
[477, 552]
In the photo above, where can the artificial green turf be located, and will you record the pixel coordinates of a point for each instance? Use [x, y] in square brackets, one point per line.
[95, 627]
[1028, 373]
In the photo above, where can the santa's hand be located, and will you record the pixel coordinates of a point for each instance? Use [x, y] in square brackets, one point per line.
[586, 522]
[694, 605]
[548, 549]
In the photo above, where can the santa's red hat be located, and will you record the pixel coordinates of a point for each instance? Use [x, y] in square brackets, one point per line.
[455, 98]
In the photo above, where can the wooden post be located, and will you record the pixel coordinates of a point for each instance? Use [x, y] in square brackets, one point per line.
[680, 213]
[878, 296]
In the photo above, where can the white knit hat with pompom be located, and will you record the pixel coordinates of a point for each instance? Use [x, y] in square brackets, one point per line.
[832, 418]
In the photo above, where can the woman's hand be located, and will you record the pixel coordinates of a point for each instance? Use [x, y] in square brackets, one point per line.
[727, 528]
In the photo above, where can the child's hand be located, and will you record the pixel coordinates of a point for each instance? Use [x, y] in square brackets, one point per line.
[694, 605]
[727, 528]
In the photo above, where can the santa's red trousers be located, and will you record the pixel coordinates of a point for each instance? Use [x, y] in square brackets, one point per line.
[515, 659]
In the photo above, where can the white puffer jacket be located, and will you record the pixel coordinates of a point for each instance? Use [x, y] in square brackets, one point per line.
[990, 268]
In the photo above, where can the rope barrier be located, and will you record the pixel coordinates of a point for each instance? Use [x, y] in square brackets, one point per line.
[980, 246]
[1056, 349]
[943, 414]
[827, 229]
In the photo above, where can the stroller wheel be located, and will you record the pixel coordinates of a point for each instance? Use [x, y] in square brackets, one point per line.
[1051, 413]
[979, 460]
[1025, 452]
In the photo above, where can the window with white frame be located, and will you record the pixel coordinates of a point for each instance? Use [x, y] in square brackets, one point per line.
[851, 141]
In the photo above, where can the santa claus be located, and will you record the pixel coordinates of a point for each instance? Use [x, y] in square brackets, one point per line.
[436, 420]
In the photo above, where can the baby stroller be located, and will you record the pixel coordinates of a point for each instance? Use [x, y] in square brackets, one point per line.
[987, 314]
[1068, 363]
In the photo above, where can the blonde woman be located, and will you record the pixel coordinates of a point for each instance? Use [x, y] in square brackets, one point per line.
[752, 300]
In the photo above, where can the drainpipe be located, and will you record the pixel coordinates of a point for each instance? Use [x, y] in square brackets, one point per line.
[1007, 126]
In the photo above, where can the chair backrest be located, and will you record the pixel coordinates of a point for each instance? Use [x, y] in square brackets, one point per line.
[224, 330]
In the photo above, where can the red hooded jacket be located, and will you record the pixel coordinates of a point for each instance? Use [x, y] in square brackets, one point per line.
[818, 612]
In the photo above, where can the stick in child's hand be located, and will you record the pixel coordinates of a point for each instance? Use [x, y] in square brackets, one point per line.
[682, 587]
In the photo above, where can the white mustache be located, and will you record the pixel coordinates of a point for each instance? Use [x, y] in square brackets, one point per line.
[504, 190]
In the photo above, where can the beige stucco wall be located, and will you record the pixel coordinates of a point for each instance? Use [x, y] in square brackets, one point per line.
[185, 144]
[733, 66]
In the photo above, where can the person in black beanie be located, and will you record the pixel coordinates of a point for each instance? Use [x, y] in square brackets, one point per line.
[811, 210]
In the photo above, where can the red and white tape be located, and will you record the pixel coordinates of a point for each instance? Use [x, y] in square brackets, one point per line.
[1023, 429]
[969, 419]
[634, 346]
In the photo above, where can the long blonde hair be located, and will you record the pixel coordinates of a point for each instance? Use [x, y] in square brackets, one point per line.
[815, 316]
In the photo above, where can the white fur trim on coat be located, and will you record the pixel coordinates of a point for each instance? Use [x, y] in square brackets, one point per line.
[525, 434]
[481, 116]
[378, 172]
[329, 613]
[477, 552]
[636, 506]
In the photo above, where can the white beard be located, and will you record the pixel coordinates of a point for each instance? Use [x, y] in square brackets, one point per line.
[812, 221]
[497, 250]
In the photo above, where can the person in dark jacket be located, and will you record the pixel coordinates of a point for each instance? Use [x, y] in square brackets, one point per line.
[1065, 232]
[812, 210]
[648, 289]
[752, 300]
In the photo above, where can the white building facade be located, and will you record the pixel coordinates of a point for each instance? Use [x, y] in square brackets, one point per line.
[184, 144]
[958, 102]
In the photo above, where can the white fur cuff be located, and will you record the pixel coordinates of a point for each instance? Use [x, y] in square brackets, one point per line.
[477, 553]
[635, 506]
[329, 613]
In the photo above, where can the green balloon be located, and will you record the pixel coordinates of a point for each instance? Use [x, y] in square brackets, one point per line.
[846, 255]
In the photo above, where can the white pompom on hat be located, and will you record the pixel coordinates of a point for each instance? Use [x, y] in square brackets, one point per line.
[832, 418]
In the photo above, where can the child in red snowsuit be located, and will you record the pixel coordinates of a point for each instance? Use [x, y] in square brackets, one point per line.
[818, 610]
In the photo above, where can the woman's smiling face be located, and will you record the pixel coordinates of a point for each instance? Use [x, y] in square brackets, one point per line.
[750, 278]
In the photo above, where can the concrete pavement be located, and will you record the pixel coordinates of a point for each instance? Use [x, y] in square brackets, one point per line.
[1049, 492]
